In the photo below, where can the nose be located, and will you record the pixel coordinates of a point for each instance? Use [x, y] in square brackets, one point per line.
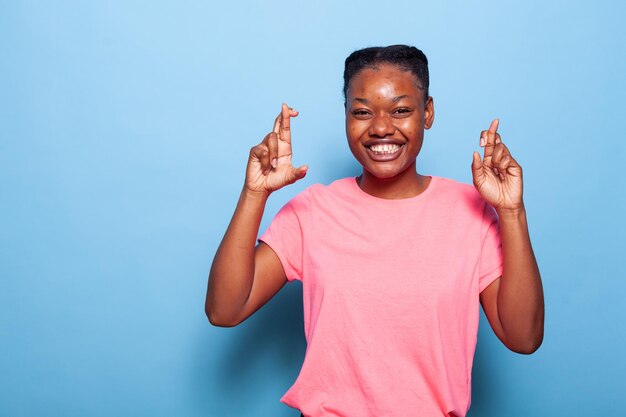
[381, 125]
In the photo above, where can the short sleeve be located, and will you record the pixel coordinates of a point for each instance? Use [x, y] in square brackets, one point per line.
[284, 236]
[490, 263]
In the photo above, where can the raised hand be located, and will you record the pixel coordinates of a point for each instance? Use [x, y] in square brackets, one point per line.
[269, 164]
[498, 176]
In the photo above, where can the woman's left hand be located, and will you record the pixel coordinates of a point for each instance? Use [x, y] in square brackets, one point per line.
[498, 176]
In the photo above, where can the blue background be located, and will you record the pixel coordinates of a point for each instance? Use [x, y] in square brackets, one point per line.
[124, 132]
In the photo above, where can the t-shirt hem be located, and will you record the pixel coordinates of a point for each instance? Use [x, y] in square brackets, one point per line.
[495, 274]
[289, 273]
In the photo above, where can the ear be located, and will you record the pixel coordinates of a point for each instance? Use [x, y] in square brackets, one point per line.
[429, 113]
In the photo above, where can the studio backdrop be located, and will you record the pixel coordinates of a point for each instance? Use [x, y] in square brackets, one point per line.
[125, 128]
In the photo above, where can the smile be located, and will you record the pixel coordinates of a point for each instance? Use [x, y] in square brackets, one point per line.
[384, 151]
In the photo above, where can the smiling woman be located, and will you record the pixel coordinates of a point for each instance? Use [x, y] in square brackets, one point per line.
[394, 264]
[386, 114]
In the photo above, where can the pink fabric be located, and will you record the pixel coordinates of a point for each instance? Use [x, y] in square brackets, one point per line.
[390, 292]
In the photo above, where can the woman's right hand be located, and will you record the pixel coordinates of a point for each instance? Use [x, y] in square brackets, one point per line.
[269, 164]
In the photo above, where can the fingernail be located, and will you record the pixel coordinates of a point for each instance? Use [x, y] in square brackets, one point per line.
[274, 163]
[482, 141]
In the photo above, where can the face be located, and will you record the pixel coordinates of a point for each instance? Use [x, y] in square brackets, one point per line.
[385, 120]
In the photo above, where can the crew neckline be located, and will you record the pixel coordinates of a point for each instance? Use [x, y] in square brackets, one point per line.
[433, 181]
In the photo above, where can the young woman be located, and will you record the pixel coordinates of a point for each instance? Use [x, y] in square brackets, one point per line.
[393, 263]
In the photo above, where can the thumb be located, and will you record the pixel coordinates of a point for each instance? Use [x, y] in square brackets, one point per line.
[297, 173]
[477, 167]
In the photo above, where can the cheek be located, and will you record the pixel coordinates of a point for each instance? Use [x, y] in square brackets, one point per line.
[354, 131]
[410, 128]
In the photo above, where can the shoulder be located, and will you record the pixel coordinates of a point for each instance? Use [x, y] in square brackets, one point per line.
[461, 197]
[321, 198]
[337, 188]
[451, 187]
[319, 191]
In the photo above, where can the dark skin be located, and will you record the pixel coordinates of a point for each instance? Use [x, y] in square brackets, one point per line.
[387, 107]
[386, 115]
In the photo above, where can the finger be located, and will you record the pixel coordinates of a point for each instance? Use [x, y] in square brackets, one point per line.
[285, 124]
[272, 146]
[277, 120]
[484, 136]
[501, 160]
[488, 147]
[506, 155]
[276, 127]
[491, 133]
[265, 155]
[505, 152]
[259, 153]
[504, 163]
[498, 153]
[493, 128]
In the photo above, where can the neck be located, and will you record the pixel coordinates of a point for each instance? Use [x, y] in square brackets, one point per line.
[405, 185]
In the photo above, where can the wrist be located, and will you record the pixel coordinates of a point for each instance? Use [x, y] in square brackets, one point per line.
[254, 196]
[515, 213]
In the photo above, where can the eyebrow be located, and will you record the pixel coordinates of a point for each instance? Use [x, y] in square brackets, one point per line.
[366, 101]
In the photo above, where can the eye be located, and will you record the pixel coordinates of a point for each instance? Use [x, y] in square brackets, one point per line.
[402, 111]
[360, 113]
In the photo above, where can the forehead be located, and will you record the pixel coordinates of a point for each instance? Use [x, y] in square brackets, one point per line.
[384, 79]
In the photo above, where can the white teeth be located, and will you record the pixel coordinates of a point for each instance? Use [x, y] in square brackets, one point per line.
[385, 148]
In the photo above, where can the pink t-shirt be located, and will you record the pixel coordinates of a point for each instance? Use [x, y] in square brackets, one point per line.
[391, 296]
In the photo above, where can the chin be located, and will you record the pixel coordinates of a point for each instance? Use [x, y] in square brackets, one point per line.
[385, 174]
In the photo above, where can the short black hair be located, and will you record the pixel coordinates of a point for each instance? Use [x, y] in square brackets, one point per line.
[405, 57]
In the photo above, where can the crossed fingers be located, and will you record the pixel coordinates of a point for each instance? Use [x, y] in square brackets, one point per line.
[496, 155]
[282, 123]
[280, 132]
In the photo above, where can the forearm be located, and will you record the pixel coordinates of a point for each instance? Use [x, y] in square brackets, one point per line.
[520, 296]
[232, 272]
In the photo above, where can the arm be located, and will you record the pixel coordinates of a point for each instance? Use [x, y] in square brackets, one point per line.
[244, 277]
[513, 303]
